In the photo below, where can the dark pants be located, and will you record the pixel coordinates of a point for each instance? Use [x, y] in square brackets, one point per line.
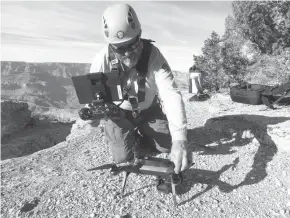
[153, 128]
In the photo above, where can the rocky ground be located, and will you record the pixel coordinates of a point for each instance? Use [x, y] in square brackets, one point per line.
[241, 155]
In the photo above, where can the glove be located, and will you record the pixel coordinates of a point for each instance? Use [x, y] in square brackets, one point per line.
[85, 113]
[179, 155]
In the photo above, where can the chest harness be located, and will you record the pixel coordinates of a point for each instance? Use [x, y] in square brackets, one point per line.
[142, 70]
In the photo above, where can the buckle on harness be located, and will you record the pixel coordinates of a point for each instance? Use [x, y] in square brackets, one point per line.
[135, 107]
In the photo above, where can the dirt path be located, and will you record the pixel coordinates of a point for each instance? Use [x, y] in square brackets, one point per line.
[241, 170]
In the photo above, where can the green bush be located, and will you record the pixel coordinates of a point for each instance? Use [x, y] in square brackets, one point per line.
[270, 70]
[254, 48]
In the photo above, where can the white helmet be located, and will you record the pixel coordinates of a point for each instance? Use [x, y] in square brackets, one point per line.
[120, 23]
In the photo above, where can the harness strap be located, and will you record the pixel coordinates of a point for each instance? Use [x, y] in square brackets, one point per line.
[142, 69]
[144, 115]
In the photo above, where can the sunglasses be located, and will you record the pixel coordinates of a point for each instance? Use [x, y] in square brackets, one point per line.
[127, 48]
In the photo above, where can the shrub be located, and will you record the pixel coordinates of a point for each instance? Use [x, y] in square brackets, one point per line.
[270, 70]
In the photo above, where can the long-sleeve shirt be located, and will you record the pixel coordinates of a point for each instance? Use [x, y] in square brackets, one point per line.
[159, 79]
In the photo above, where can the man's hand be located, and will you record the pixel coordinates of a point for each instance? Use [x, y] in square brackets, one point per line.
[179, 155]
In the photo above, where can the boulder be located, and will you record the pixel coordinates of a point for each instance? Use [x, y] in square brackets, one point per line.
[14, 116]
[82, 128]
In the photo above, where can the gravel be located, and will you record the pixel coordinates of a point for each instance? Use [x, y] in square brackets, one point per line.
[237, 172]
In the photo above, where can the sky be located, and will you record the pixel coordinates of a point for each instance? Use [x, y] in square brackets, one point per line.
[70, 31]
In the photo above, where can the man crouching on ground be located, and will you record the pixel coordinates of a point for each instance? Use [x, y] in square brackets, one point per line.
[143, 80]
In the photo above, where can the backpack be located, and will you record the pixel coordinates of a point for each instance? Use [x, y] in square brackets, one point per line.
[257, 94]
[276, 94]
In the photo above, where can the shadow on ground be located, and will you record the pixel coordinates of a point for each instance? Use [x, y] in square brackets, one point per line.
[226, 132]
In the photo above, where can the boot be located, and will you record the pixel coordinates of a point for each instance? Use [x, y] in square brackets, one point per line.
[162, 185]
[143, 148]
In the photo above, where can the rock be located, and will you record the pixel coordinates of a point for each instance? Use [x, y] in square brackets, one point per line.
[58, 115]
[214, 206]
[145, 190]
[82, 128]
[278, 183]
[15, 116]
[215, 201]
[92, 215]
[197, 201]
[282, 212]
